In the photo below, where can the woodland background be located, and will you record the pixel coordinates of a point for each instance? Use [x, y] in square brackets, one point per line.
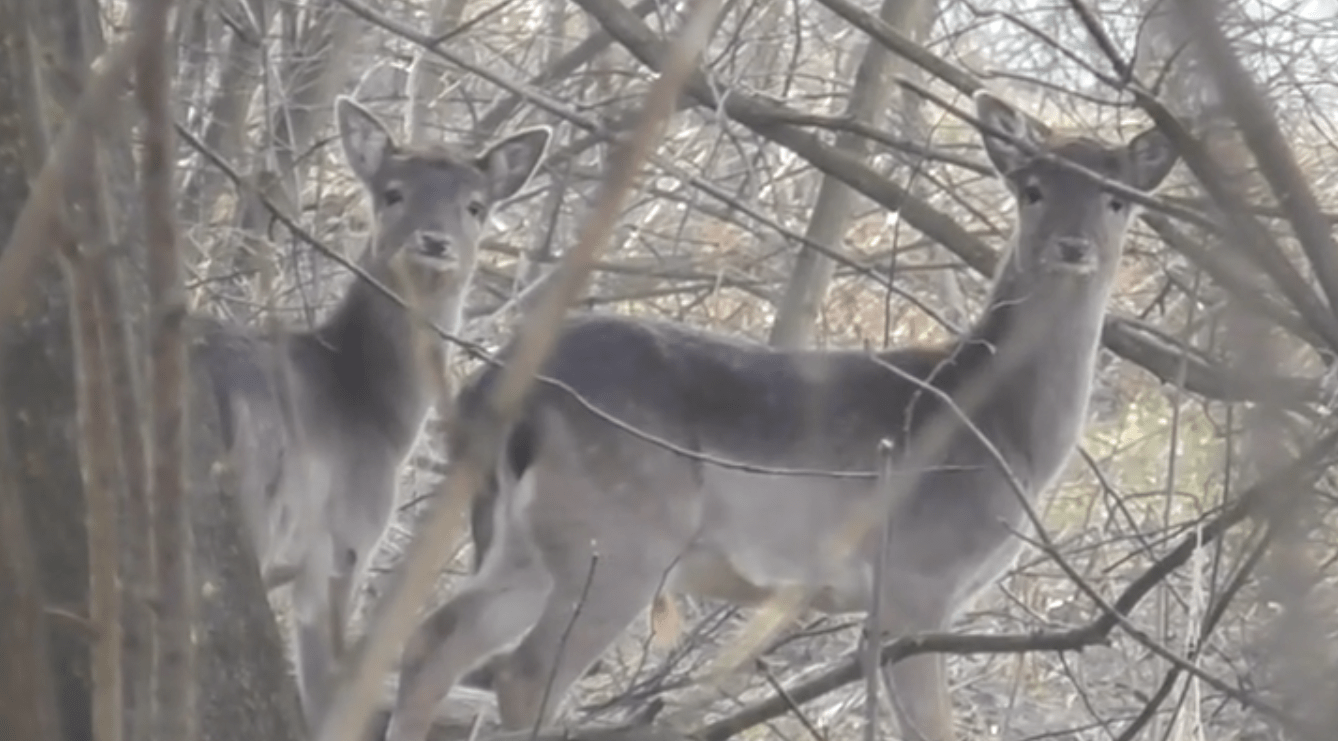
[802, 195]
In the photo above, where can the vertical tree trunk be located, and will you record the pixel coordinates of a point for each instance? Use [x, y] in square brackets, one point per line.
[427, 74]
[246, 691]
[48, 574]
[869, 96]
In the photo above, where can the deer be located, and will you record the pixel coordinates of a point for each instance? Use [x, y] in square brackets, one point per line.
[663, 459]
[316, 423]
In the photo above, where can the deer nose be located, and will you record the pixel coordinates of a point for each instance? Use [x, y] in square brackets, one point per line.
[433, 245]
[1074, 249]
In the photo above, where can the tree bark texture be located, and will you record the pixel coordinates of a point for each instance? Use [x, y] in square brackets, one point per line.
[246, 691]
[798, 310]
[43, 560]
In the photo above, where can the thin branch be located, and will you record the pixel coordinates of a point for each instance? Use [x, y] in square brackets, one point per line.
[174, 648]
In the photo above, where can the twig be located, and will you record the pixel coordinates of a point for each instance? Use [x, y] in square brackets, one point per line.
[795, 709]
[1210, 621]
[355, 695]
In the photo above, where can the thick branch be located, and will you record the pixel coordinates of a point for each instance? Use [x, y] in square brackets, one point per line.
[1242, 100]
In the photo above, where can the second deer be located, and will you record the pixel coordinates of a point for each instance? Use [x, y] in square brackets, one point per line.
[317, 423]
[573, 489]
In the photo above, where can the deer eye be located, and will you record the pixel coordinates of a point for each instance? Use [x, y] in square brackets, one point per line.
[476, 209]
[1031, 194]
[1116, 205]
[392, 196]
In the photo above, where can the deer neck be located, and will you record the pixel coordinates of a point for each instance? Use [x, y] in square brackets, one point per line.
[1037, 344]
[383, 361]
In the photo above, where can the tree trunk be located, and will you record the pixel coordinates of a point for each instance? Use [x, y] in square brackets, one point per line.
[245, 690]
[869, 96]
[41, 483]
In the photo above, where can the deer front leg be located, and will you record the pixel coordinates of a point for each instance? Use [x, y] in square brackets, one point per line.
[917, 685]
[341, 596]
[313, 642]
[918, 688]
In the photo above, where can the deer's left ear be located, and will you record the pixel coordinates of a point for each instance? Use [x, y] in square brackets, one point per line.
[510, 163]
[1151, 157]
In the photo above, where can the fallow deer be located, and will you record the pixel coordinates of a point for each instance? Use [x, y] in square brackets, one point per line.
[317, 423]
[574, 489]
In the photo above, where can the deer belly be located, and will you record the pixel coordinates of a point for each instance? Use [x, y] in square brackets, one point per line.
[706, 574]
[990, 571]
[773, 532]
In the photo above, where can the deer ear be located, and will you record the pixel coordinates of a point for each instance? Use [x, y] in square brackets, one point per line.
[510, 163]
[1006, 156]
[1151, 157]
[366, 141]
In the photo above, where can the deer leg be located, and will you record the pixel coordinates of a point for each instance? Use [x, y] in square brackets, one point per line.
[917, 685]
[489, 614]
[340, 598]
[532, 682]
[918, 689]
[312, 640]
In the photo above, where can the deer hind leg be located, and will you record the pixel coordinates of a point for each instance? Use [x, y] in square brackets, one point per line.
[313, 641]
[491, 612]
[579, 623]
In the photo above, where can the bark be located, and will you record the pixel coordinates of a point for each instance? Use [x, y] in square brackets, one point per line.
[42, 483]
[316, 66]
[869, 95]
[174, 689]
[247, 692]
[28, 707]
[100, 455]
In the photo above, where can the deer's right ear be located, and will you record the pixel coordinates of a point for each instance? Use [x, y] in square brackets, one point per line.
[365, 139]
[1006, 156]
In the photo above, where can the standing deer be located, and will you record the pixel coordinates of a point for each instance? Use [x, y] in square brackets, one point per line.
[317, 423]
[580, 505]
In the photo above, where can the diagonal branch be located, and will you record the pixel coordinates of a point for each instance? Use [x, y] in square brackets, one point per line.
[27, 244]
[1242, 100]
